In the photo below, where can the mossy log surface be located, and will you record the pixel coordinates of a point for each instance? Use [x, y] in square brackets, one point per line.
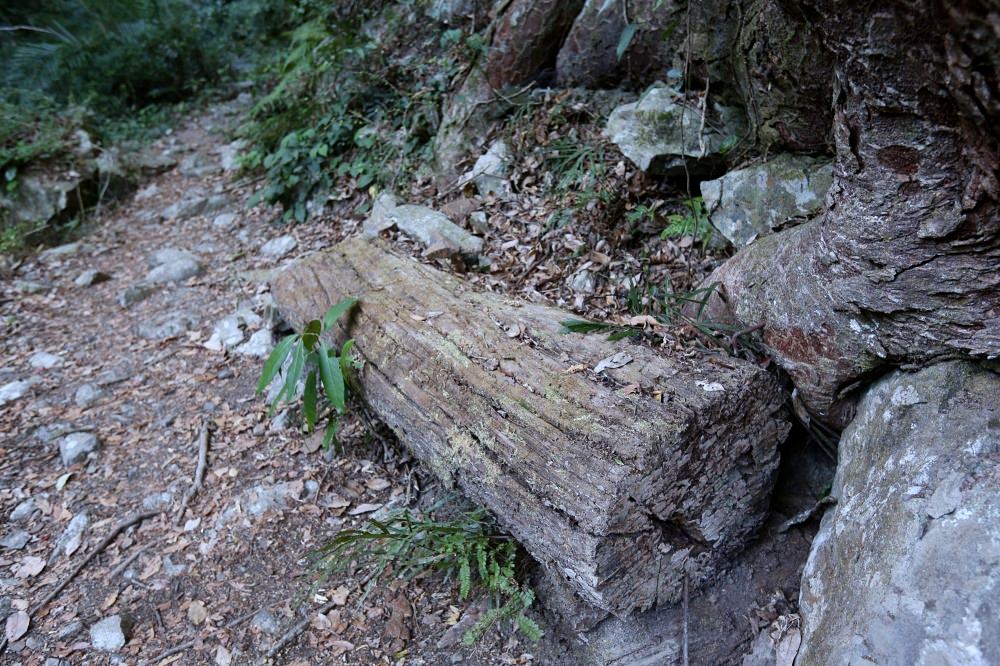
[623, 493]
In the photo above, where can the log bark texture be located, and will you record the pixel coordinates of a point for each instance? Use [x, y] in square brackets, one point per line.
[902, 266]
[624, 494]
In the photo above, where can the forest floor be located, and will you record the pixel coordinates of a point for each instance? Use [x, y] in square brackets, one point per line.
[138, 368]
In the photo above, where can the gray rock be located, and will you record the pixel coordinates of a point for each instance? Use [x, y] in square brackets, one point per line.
[110, 634]
[75, 446]
[43, 360]
[14, 390]
[55, 661]
[69, 541]
[172, 570]
[16, 540]
[490, 171]
[582, 282]
[147, 192]
[904, 568]
[259, 345]
[40, 197]
[662, 133]
[174, 271]
[31, 286]
[278, 247]
[446, 11]
[70, 630]
[197, 165]
[265, 622]
[87, 394]
[90, 277]
[23, 511]
[229, 154]
[169, 255]
[168, 325]
[4, 608]
[59, 252]
[427, 226]
[196, 205]
[134, 294]
[748, 203]
[224, 221]
[157, 501]
[226, 334]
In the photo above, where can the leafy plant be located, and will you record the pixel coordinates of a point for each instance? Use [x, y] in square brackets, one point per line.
[326, 368]
[692, 222]
[467, 548]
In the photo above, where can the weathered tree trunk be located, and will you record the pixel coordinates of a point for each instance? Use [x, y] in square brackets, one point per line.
[902, 267]
[622, 493]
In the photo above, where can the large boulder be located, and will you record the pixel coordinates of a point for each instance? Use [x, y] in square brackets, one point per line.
[757, 200]
[527, 40]
[665, 134]
[906, 568]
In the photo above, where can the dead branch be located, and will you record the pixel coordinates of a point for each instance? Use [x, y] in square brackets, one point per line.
[199, 474]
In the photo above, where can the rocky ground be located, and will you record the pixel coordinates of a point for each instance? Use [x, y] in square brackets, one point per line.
[120, 352]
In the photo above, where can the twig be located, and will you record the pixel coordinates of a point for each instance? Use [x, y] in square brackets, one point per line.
[199, 474]
[118, 570]
[118, 529]
[735, 337]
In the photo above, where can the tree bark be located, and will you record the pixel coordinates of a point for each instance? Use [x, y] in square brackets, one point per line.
[902, 266]
[622, 493]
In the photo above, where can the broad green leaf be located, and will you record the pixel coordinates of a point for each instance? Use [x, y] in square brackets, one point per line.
[274, 361]
[311, 333]
[345, 358]
[309, 401]
[293, 375]
[623, 42]
[330, 434]
[333, 378]
[337, 311]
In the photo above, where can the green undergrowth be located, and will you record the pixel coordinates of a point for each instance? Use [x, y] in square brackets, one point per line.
[466, 548]
[353, 106]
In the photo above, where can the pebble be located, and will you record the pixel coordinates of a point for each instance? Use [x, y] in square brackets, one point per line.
[265, 622]
[59, 252]
[174, 271]
[169, 325]
[87, 394]
[91, 276]
[75, 446]
[31, 287]
[23, 510]
[14, 390]
[69, 541]
[226, 334]
[259, 345]
[133, 295]
[108, 635]
[16, 540]
[42, 360]
[71, 629]
[278, 247]
[224, 221]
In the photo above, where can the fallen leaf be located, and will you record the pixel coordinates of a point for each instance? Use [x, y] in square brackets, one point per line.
[643, 320]
[377, 484]
[197, 613]
[343, 645]
[579, 367]
[109, 601]
[364, 508]
[17, 625]
[397, 629]
[152, 568]
[62, 480]
[616, 361]
[339, 596]
[629, 390]
[30, 566]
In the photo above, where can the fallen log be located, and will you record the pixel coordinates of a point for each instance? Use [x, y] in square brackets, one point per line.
[627, 481]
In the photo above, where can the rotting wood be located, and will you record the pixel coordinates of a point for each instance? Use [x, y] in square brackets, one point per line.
[622, 493]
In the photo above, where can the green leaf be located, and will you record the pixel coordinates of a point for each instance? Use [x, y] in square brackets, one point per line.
[333, 378]
[330, 434]
[337, 311]
[309, 401]
[583, 326]
[626, 38]
[464, 578]
[274, 361]
[346, 361]
[292, 376]
[311, 333]
[529, 628]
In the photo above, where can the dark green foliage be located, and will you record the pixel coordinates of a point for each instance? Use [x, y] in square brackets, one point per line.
[466, 548]
[327, 368]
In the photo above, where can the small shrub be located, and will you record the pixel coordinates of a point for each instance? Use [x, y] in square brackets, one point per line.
[326, 368]
[466, 548]
[693, 222]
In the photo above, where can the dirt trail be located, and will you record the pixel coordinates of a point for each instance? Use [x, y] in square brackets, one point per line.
[232, 575]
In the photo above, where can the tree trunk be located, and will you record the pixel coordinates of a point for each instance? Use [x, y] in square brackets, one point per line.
[902, 267]
[626, 481]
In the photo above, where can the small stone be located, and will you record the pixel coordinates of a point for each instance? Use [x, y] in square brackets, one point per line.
[425, 225]
[69, 541]
[489, 171]
[478, 221]
[43, 360]
[265, 622]
[71, 629]
[55, 661]
[259, 345]
[157, 501]
[23, 510]
[109, 635]
[582, 282]
[172, 570]
[90, 277]
[169, 325]
[87, 394]
[226, 334]
[278, 247]
[31, 287]
[169, 255]
[75, 446]
[14, 390]
[197, 613]
[133, 295]
[229, 154]
[197, 165]
[59, 252]
[147, 192]
[173, 272]
[16, 540]
[224, 221]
